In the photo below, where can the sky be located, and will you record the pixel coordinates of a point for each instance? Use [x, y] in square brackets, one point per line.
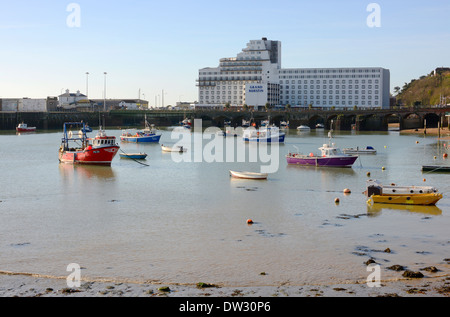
[157, 47]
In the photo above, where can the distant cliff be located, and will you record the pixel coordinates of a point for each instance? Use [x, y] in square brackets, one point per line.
[429, 90]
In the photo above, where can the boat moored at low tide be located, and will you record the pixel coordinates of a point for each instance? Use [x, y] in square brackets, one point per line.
[403, 195]
[248, 175]
[268, 134]
[23, 127]
[330, 156]
[100, 150]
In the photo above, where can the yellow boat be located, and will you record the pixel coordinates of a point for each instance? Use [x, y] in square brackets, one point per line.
[418, 199]
[402, 195]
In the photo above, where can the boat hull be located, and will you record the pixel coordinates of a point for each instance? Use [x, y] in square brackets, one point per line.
[274, 139]
[93, 156]
[248, 175]
[420, 199]
[143, 139]
[134, 156]
[174, 149]
[436, 169]
[322, 161]
[354, 151]
[26, 129]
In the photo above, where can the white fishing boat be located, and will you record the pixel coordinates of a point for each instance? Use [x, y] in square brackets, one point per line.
[357, 150]
[265, 134]
[303, 128]
[179, 149]
[284, 125]
[248, 175]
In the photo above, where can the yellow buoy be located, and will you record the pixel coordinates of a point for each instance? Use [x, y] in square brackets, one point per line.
[383, 168]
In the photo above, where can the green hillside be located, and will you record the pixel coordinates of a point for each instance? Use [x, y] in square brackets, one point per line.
[425, 91]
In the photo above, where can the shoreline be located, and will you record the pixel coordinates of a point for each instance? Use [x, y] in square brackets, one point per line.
[31, 285]
[432, 132]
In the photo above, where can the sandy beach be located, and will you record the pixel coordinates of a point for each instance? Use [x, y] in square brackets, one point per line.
[28, 285]
[432, 132]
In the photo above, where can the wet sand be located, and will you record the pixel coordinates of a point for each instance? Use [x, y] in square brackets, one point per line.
[28, 285]
[432, 132]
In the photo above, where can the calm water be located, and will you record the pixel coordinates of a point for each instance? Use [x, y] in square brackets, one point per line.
[186, 222]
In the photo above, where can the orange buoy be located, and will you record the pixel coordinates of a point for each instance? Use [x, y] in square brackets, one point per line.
[249, 221]
[336, 200]
[445, 155]
[424, 180]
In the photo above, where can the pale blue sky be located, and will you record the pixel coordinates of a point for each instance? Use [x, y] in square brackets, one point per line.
[161, 45]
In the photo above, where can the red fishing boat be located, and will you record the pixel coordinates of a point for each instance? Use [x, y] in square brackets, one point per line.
[80, 149]
[23, 127]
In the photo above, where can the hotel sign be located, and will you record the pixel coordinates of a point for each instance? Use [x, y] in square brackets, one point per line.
[255, 88]
[256, 94]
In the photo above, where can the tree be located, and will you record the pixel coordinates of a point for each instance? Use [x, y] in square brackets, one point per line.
[397, 90]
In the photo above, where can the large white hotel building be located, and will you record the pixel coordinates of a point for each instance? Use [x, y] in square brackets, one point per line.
[255, 78]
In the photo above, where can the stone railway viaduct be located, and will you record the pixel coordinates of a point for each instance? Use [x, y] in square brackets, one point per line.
[358, 119]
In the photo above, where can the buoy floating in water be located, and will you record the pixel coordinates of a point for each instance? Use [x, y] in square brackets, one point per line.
[347, 191]
[249, 221]
[336, 200]
[445, 155]
[383, 168]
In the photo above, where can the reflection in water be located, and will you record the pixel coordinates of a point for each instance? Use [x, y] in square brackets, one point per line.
[86, 171]
[427, 210]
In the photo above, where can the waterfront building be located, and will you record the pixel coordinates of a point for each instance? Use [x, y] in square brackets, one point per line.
[69, 98]
[23, 104]
[255, 78]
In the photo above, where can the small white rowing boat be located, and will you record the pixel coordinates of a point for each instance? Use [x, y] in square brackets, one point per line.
[180, 149]
[248, 175]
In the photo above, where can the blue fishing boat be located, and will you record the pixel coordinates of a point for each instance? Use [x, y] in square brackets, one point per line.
[148, 135]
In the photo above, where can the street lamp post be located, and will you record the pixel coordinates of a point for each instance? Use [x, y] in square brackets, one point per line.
[104, 96]
[87, 85]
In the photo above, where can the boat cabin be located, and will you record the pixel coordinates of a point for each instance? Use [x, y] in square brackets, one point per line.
[328, 150]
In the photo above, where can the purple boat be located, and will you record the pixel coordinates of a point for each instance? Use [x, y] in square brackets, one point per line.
[331, 157]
